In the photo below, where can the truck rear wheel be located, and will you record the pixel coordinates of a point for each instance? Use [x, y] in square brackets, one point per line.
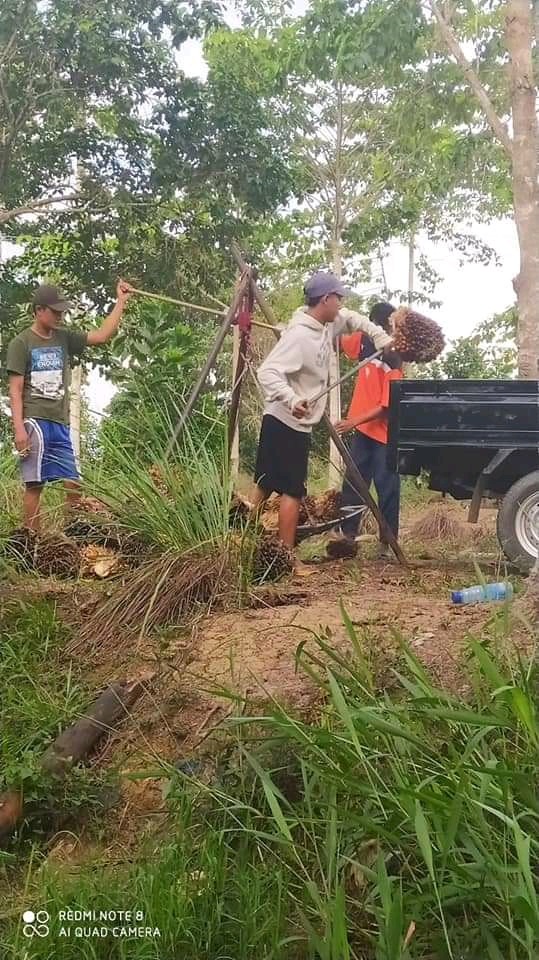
[518, 522]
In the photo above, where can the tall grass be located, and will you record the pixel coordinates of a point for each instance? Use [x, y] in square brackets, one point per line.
[416, 832]
[395, 826]
[210, 896]
[178, 503]
[40, 694]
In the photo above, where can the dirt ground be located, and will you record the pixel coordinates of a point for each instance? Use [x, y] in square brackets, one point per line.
[251, 653]
[193, 672]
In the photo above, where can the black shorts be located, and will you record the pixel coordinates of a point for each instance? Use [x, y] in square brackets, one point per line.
[282, 458]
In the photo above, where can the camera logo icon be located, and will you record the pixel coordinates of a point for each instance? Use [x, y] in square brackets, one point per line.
[35, 924]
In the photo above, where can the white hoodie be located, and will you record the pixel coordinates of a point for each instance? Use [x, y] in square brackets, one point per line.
[298, 366]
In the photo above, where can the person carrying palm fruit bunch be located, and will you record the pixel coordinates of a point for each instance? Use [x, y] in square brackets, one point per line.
[415, 338]
[296, 369]
[367, 418]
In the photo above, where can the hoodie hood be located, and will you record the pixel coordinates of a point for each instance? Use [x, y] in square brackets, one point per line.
[300, 317]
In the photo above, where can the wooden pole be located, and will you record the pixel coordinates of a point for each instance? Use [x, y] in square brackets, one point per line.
[74, 411]
[239, 372]
[177, 303]
[212, 356]
[354, 474]
[234, 442]
[346, 376]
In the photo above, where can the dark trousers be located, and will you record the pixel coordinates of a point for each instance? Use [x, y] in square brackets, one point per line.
[370, 458]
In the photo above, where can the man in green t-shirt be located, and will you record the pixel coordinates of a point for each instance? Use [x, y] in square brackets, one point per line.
[39, 362]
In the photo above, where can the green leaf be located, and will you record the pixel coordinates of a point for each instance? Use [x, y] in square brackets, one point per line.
[488, 667]
[523, 908]
[423, 838]
[271, 794]
[524, 710]
[343, 710]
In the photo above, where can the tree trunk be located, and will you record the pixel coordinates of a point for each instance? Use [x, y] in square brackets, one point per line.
[385, 288]
[519, 34]
[522, 149]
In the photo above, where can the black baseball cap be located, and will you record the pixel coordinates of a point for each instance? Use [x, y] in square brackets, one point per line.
[323, 285]
[47, 296]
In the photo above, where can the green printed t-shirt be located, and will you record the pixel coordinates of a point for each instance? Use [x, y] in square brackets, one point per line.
[45, 363]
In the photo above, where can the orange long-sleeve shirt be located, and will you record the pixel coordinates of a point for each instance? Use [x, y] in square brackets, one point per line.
[372, 385]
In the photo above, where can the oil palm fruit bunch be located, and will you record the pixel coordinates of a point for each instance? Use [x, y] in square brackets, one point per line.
[134, 550]
[328, 505]
[342, 549]
[56, 556]
[94, 530]
[159, 481]
[417, 338]
[20, 547]
[323, 507]
[272, 560]
[240, 511]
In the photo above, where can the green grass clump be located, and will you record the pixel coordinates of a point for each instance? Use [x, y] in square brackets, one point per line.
[40, 695]
[416, 832]
[209, 895]
[177, 503]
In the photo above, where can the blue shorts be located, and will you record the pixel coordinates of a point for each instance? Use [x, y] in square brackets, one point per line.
[51, 454]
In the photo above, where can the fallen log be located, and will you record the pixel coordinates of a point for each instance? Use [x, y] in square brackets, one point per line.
[74, 744]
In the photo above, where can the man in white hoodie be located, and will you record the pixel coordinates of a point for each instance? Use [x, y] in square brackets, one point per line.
[296, 370]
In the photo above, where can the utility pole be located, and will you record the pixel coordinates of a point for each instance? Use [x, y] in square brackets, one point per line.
[76, 373]
[335, 460]
[411, 267]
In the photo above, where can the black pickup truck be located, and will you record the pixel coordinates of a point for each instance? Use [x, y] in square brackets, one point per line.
[475, 439]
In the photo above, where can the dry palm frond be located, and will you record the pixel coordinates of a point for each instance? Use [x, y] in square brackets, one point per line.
[20, 547]
[165, 590]
[369, 524]
[438, 524]
[417, 338]
[56, 556]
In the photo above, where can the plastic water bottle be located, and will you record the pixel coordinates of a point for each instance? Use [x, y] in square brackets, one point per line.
[482, 593]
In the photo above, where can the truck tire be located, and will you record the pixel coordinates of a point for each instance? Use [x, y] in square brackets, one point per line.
[518, 522]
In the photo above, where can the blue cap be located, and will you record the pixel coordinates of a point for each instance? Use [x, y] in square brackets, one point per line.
[456, 596]
[322, 285]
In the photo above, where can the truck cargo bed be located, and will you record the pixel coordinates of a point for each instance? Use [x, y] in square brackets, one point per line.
[453, 429]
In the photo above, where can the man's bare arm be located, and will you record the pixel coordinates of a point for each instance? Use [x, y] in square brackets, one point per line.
[16, 387]
[110, 324]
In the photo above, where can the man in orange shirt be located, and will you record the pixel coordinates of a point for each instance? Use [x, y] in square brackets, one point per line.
[367, 417]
